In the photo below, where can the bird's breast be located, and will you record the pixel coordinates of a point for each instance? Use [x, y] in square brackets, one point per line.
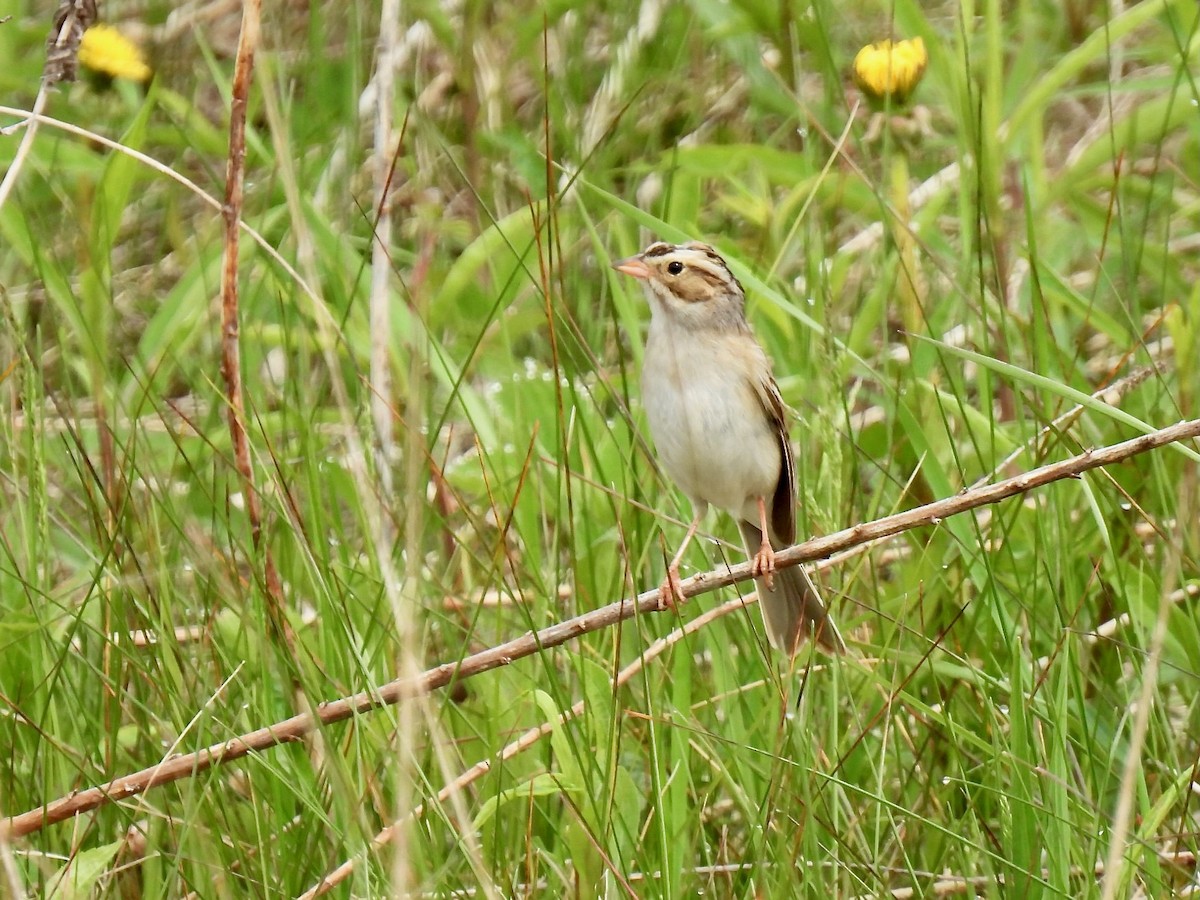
[710, 431]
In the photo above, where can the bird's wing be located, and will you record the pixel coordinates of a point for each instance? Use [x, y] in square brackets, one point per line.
[783, 503]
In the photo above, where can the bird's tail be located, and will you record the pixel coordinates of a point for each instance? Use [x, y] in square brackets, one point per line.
[792, 611]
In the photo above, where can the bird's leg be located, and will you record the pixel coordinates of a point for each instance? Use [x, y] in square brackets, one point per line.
[671, 591]
[763, 562]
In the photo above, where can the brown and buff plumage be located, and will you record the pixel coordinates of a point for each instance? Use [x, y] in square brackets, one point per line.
[720, 428]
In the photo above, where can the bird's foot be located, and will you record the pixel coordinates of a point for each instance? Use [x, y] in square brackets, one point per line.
[670, 594]
[763, 564]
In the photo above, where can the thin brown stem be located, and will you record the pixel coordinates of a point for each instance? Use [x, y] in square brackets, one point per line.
[522, 743]
[231, 359]
[296, 727]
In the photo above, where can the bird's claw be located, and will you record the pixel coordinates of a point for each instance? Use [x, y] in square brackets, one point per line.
[762, 564]
[670, 594]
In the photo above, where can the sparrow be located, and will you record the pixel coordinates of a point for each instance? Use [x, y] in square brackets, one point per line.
[720, 431]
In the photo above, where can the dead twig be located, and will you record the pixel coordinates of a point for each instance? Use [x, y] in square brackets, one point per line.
[522, 743]
[231, 359]
[71, 20]
[296, 727]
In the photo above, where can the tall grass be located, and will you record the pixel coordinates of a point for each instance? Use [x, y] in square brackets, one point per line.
[980, 729]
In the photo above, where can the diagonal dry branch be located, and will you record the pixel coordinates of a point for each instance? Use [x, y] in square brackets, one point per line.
[526, 740]
[296, 727]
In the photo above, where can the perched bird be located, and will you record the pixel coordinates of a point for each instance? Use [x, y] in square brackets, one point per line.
[720, 430]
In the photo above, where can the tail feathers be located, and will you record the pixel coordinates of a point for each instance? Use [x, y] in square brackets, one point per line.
[792, 612]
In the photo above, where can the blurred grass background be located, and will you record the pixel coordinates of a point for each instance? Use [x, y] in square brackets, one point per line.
[1051, 246]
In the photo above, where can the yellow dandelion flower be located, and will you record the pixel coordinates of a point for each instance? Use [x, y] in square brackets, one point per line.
[886, 70]
[106, 51]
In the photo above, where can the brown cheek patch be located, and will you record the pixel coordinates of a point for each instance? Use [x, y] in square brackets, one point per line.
[696, 287]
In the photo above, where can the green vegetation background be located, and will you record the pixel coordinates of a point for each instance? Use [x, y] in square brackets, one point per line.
[977, 730]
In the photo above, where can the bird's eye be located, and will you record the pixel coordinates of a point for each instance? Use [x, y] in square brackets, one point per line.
[675, 267]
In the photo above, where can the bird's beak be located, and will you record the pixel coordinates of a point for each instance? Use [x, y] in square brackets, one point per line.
[632, 265]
